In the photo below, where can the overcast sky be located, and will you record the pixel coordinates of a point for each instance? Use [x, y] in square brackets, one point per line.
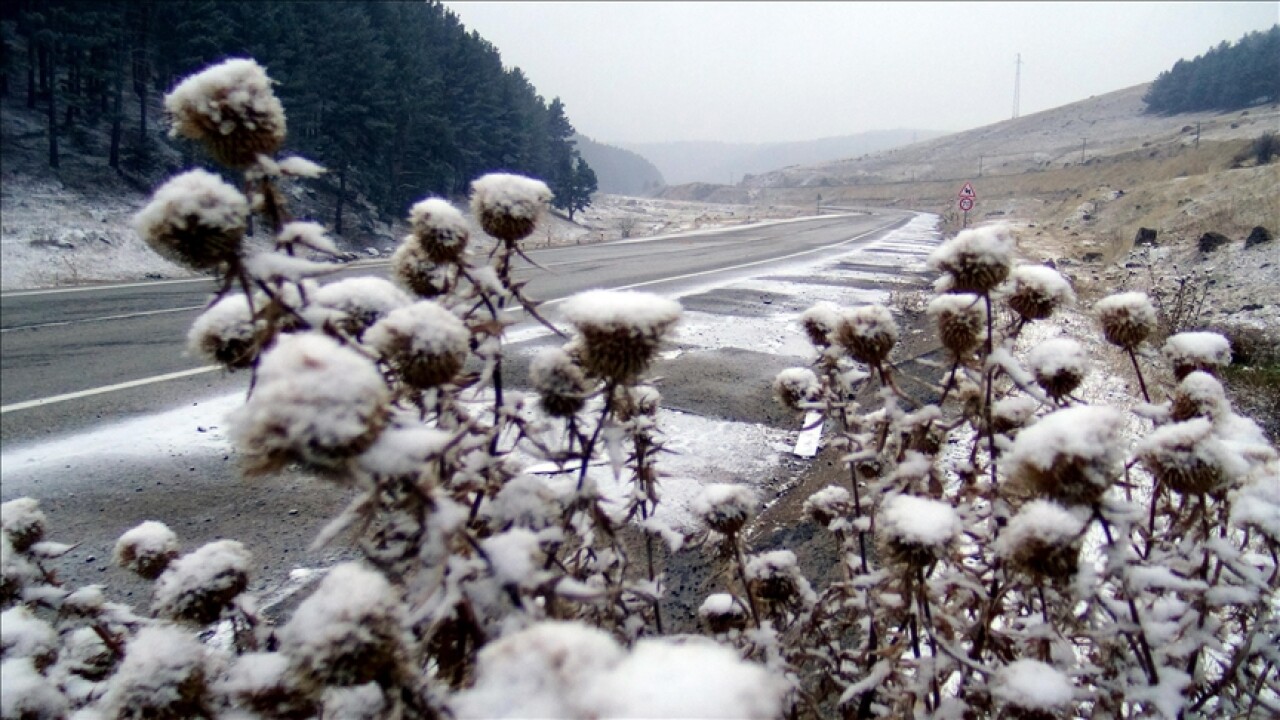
[766, 71]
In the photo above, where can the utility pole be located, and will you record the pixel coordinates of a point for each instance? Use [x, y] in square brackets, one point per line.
[979, 166]
[1082, 144]
[1017, 84]
[1197, 134]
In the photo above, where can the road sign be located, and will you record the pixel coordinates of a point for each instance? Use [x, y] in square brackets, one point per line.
[967, 191]
[966, 204]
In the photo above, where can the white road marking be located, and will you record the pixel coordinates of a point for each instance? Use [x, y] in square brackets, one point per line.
[90, 288]
[125, 316]
[106, 389]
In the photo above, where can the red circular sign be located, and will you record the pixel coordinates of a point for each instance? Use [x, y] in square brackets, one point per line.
[966, 204]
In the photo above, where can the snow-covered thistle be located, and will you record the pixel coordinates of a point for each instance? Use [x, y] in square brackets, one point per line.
[1042, 540]
[231, 109]
[147, 549]
[426, 343]
[1071, 455]
[226, 333]
[1126, 318]
[196, 220]
[508, 206]
[796, 387]
[961, 320]
[621, 330]
[317, 403]
[868, 333]
[1038, 291]
[976, 260]
[1059, 366]
[439, 229]
[198, 586]
[562, 386]
[1192, 351]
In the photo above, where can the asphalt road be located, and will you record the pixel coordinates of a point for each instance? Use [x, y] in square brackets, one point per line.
[87, 376]
[64, 354]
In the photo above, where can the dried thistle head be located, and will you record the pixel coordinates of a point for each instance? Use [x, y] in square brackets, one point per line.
[795, 388]
[226, 333]
[868, 333]
[1188, 457]
[348, 632]
[23, 522]
[163, 675]
[440, 229]
[317, 403]
[1199, 395]
[23, 635]
[415, 271]
[353, 305]
[196, 587]
[912, 532]
[561, 384]
[424, 342]
[1038, 291]
[1042, 541]
[261, 682]
[819, 322]
[1071, 455]
[508, 206]
[231, 109]
[722, 613]
[1059, 366]
[1012, 413]
[1126, 318]
[976, 260]
[1189, 352]
[147, 549]
[196, 220]
[961, 319]
[725, 507]
[775, 578]
[620, 331]
[828, 504]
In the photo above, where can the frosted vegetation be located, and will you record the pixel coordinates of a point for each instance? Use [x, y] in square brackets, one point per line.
[1009, 551]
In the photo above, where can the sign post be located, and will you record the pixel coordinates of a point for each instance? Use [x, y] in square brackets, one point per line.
[967, 196]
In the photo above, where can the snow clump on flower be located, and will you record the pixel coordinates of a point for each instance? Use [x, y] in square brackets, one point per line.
[230, 108]
[196, 220]
[722, 612]
[348, 632]
[562, 386]
[440, 229]
[1059, 365]
[226, 333]
[829, 504]
[976, 260]
[25, 693]
[1199, 395]
[868, 333]
[23, 635]
[1038, 291]
[316, 402]
[794, 387]
[508, 206]
[1127, 318]
[1192, 351]
[1013, 412]
[1033, 685]
[147, 549]
[1189, 457]
[620, 330]
[1042, 540]
[775, 578]
[354, 304]
[913, 529]
[725, 507]
[413, 270]
[23, 522]
[1071, 455]
[426, 343]
[163, 675]
[196, 587]
[819, 322]
[961, 319]
[260, 682]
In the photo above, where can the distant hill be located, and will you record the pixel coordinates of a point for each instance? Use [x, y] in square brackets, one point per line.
[618, 171]
[717, 162]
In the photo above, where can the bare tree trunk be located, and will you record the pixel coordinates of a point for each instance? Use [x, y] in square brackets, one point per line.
[342, 196]
[117, 109]
[53, 110]
[31, 75]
